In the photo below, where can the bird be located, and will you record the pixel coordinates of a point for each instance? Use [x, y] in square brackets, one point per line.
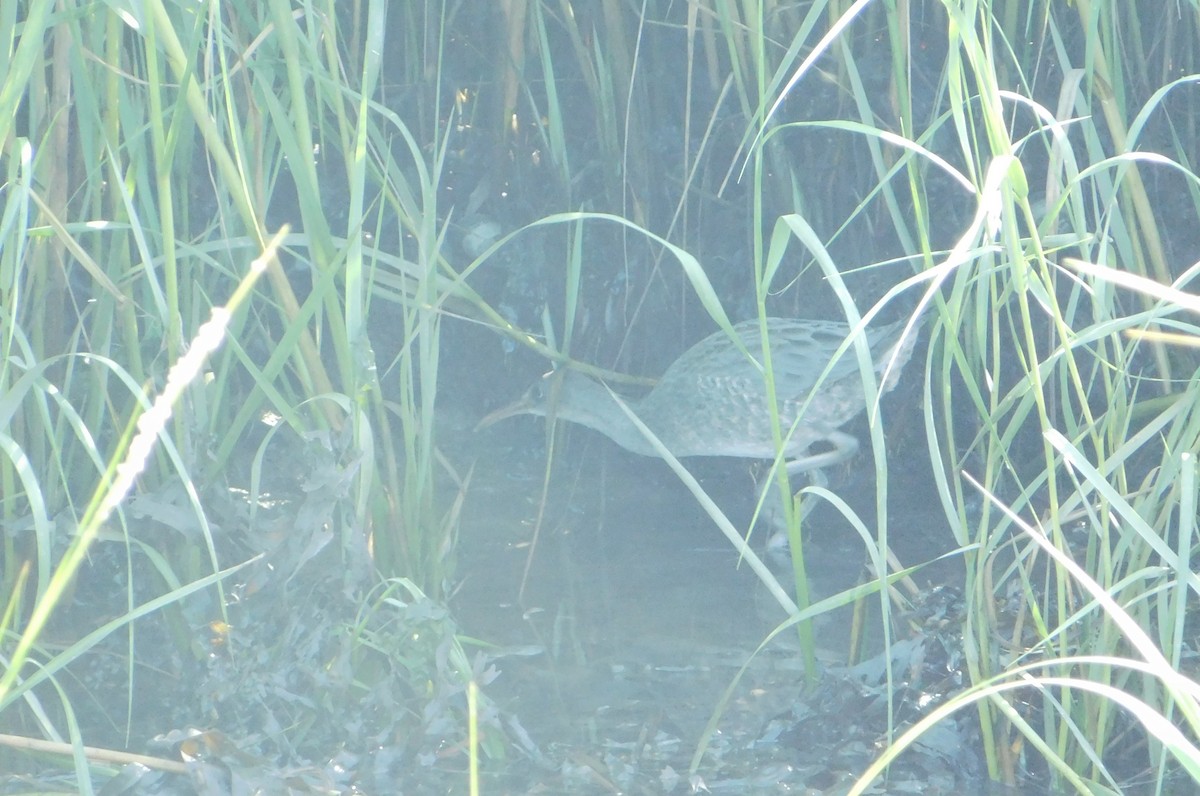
[712, 400]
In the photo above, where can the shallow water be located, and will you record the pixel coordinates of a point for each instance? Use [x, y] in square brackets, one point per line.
[642, 616]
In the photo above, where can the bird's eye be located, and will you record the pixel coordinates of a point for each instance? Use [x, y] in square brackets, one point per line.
[541, 390]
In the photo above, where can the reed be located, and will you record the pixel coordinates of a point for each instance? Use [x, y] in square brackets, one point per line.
[144, 151]
[1016, 174]
[1031, 379]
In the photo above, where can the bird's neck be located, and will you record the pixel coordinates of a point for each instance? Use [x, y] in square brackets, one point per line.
[605, 414]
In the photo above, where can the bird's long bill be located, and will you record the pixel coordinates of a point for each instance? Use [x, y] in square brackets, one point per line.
[519, 407]
[527, 404]
[541, 399]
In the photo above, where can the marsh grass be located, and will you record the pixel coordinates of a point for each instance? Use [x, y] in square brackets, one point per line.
[129, 213]
[1029, 377]
[956, 153]
[985, 164]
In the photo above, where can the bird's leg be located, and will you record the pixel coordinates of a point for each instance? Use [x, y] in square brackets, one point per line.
[844, 446]
[774, 510]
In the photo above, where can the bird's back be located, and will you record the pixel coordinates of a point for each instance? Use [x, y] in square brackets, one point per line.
[712, 400]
